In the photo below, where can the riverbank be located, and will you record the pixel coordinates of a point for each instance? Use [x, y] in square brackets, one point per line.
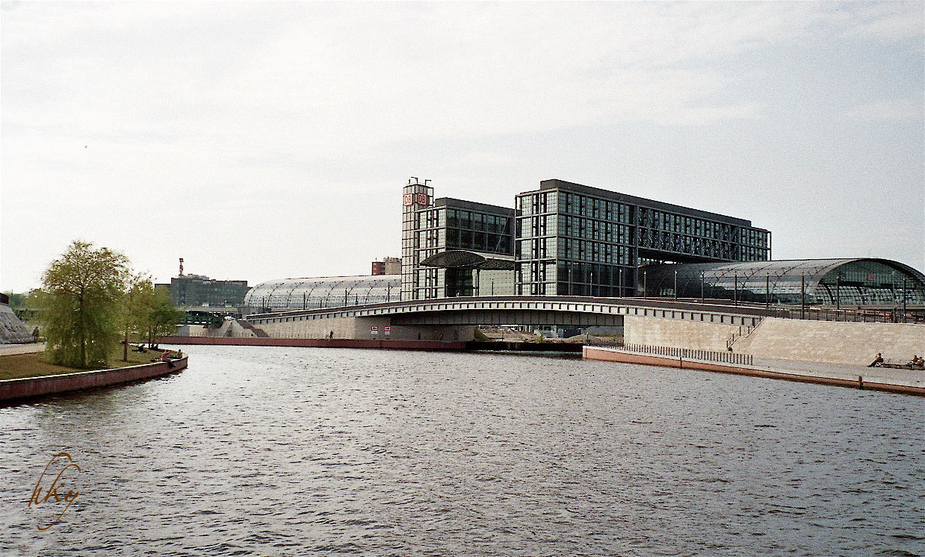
[910, 382]
[426, 345]
[16, 390]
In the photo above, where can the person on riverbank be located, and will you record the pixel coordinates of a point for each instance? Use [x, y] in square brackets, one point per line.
[878, 361]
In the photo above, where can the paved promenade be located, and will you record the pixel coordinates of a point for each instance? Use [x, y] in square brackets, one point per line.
[885, 375]
[10, 349]
[906, 381]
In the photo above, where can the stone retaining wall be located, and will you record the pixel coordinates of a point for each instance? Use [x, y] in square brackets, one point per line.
[27, 387]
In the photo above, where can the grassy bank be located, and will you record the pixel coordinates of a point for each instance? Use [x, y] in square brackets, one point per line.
[15, 366]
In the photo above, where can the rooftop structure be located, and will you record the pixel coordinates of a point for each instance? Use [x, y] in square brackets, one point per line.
[321, 292]
[826, 282]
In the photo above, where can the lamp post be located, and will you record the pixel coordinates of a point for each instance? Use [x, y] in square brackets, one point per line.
[837, 295]
[803, 296]
[701, 287]
[735, 288]
[676, 285]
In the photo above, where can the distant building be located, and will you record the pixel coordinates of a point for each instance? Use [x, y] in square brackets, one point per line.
[452, 247]
[388, 266]
[201, 291]
[563, 239]
[583, 241]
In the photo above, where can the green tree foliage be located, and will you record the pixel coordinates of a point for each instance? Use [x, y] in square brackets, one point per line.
[136, 309]
[147, 313]
[164, 317]
[81, 301]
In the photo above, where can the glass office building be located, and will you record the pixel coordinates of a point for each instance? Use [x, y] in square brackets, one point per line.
[199, 290]
[584, 241]
[562, 239]
[452, 247]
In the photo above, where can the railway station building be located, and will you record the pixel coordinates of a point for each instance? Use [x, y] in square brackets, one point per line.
[563, 239]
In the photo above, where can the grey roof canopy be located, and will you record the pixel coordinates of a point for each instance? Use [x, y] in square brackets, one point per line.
[462, 259]
[824, 281]
[323, 292]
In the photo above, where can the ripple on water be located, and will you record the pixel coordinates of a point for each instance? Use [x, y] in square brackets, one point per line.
[280, 451]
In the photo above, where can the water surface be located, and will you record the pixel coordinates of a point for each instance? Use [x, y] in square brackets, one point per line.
[302, 451]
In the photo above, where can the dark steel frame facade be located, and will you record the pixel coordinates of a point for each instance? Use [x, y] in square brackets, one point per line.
[579, 240]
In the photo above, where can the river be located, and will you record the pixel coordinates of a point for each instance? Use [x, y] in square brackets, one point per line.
[301, 451]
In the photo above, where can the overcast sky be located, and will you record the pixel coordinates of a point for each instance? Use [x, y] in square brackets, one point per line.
[265, 140]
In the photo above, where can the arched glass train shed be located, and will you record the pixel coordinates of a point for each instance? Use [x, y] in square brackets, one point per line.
[322, 292]
[827, 282]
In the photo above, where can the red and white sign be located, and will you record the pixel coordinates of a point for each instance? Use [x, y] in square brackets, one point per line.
[408, 199]
[387, 330]
[422, 199]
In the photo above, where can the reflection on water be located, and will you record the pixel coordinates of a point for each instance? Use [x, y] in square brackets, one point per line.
[297, 451]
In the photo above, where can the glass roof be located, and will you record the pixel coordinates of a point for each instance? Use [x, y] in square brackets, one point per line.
[822, 281]
[323, 292]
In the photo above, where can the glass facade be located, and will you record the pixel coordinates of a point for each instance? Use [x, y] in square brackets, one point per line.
[324, 292]
[577, 240]
[436, 226]
[198, 290]
[825, 282]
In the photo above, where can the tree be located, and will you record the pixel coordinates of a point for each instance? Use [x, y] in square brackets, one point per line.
[81, 296]
[163, 316]
[136, 308]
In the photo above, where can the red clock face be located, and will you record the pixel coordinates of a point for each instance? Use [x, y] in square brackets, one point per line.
[408, 199]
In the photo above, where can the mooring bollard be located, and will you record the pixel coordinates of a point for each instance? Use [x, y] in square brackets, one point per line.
[860, 382]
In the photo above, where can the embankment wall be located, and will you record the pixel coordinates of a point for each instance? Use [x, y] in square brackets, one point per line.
[835, 342]
[612, 355]
[27, 387]
[435, 345]
[356, 328]
[677, 333]
[786, 339]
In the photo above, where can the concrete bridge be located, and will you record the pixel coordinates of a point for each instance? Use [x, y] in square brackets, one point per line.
[545, 311]
[769, 332]
[456, 318]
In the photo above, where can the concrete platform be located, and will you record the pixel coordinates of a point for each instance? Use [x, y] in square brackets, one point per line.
[902, 381]
[10, 349]
[913, 378]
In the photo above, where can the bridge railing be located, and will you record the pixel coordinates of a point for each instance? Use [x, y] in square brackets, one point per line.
[681, 353]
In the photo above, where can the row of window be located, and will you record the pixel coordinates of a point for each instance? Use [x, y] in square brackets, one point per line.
[479, 241]
[482, 222]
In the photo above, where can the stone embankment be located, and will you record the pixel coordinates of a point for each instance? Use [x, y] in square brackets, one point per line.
[786, 339]
[911, 382]
[30, 387]
[434, 345]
